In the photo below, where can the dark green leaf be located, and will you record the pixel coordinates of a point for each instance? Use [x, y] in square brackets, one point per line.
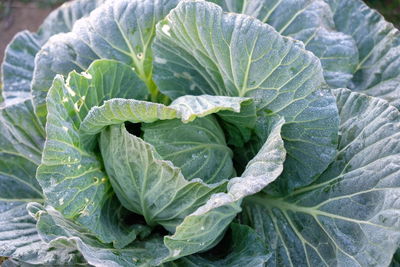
[378, 41]
[349, 215]
[244, 246]
[18, 65]
[19, 239]
[310, 21]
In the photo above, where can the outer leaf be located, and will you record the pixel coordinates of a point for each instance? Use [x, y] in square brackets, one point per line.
[122, 30]
[378, 42]
[203, 228]
[71, 174]
[139, 178]
[310, 21]
[245, 249]
[64, 17]
[201, 50]
[21, 144]
[349, 215]
[19, 239]
[319, 124]
[18, 64]
[56, 229]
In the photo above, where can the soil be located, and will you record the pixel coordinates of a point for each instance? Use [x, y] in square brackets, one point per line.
[22, 17]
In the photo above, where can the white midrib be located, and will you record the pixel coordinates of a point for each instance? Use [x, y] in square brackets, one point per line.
[279, 203]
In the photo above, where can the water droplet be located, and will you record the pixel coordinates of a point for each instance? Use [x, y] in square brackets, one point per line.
[176, 252]
[160, 60]
[86, 75]
[166, 28]
[70, 91]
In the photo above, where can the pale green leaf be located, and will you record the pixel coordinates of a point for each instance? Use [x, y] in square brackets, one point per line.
[198, 148]
[117, 111]
[71, 174]
[201, 50]
[185, 144]
[21, 144]
[191, 107]
[349, 215]
[122, 30]
[310, 21]
[138, 175]
[186, 108]
[203, 228]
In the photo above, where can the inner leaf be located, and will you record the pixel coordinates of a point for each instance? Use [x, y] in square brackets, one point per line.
[198, 148]
[138, 175]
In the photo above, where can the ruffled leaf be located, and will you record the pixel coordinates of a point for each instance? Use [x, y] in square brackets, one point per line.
[201, 50]
[71, 174]
[122, 30]
[378, 42]
[57, 230]
[310, 21]
[203, 228]
[186, 108]
[349, 215]
[138, 175]
[18, 65]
